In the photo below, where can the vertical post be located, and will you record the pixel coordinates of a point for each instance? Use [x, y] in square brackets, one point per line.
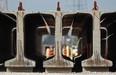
[20, 63]
[96, 62]
[58, 63]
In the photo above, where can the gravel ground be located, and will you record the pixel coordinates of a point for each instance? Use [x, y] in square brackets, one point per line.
[91, 73]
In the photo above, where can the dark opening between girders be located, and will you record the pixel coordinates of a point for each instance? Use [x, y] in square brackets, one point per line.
[81, 28]
[35, 30]
[7, 37]
[108, 38]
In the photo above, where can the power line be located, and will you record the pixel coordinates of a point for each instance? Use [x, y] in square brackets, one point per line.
[77, 4]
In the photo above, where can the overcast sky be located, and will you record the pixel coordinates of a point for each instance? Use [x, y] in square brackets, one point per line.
[45, 5]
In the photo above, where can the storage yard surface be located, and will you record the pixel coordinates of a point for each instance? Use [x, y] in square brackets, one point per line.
[94, 73]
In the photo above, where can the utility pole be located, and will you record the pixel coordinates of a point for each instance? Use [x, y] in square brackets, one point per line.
[6, 5]
[73, 5]
[77, 4]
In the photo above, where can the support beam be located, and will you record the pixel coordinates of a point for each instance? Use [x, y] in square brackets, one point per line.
[96, 62]
[58, 62]
[20, 62]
